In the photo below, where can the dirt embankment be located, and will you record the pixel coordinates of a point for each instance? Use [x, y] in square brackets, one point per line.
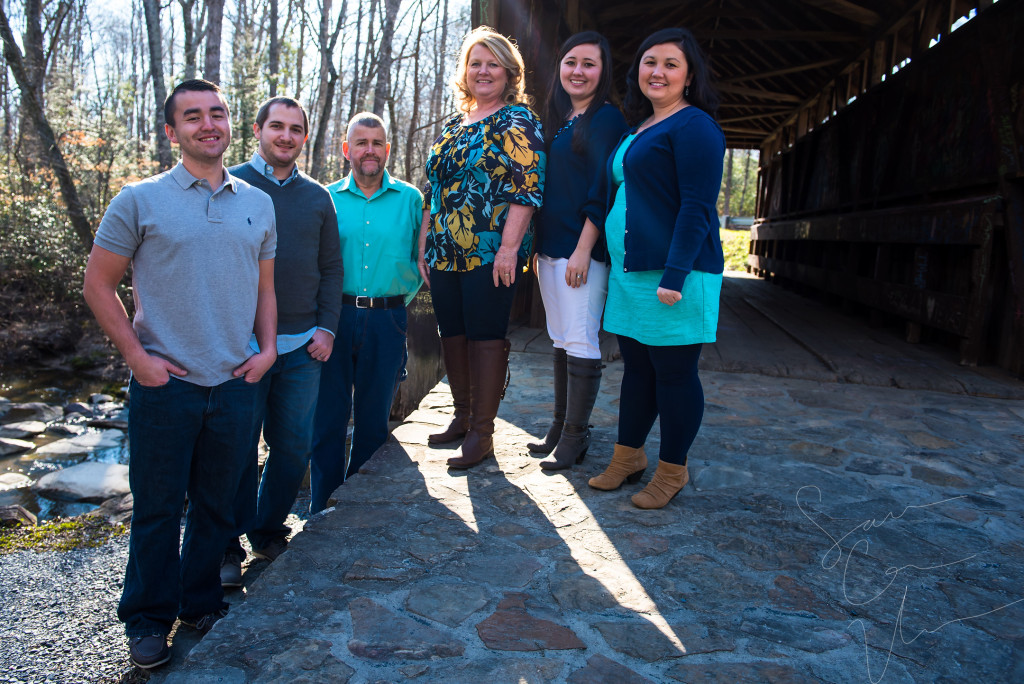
[55, 336]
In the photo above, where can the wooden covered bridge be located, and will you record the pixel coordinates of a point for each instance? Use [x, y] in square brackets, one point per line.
[891, 138]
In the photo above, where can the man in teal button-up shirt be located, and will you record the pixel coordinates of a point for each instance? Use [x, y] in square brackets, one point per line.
[378, 222]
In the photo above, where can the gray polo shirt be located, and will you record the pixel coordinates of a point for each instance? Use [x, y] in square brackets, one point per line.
[195, 266]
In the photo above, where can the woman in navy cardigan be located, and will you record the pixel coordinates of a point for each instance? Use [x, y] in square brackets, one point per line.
[582, 128]
[661, 188]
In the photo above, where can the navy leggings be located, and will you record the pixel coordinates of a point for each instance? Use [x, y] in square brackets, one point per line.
[467, 303]
[660, 381]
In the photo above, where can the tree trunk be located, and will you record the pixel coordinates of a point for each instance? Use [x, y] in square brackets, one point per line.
[194, 32]
[214, 27]
[746, 179]
[384, 59]
[156, 70]
[328, 83]
[31, 151]
[274, 50]
[33, 110]
[414, 117]
[441, 54]
[727, 179]
[300, 58]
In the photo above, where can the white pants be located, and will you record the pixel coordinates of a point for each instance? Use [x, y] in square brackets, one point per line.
[573, 313]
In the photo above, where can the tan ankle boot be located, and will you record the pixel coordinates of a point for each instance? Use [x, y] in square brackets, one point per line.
[628, 465]
[668, 480]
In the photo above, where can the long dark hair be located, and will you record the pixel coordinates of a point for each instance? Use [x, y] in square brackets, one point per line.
[558, 104]
[702, 93]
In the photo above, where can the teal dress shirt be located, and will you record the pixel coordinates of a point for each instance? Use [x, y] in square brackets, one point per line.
[379, 237]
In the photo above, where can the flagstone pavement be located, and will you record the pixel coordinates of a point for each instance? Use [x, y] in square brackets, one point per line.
[833, 531]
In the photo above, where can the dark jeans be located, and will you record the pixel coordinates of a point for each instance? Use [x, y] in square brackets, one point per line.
[359, 378]
[660, 382]
[285, 406]
[467, 303]
[184, 440]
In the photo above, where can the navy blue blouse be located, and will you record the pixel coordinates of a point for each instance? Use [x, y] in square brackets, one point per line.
[570, 179]
[673, 174]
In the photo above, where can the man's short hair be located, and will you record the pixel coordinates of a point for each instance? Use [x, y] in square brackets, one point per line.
[264, 111]
[191, 85]
[368, 119]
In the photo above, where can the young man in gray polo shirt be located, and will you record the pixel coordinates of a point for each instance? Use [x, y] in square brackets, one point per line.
[201, 245]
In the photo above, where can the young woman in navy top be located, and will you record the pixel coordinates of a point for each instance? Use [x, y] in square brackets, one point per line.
[582, 128]
[662, 185]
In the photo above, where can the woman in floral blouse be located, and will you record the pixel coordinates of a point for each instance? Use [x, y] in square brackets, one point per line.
[486, 174]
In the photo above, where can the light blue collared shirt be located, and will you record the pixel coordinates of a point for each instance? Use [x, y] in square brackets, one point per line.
[261, 166]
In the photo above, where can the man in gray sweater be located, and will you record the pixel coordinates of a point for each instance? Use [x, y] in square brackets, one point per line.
[307, 280]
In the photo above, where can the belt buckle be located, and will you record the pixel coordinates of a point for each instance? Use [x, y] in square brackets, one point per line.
[364, 302]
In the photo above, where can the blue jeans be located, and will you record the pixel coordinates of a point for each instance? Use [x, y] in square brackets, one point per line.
[285, 406]
[184, 440]
[363, 373]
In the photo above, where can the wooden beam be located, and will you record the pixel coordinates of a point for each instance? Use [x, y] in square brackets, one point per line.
[771, 35]
[759, 132]
[847, 10]
[780, 72]
[762, 94]
[752, 117]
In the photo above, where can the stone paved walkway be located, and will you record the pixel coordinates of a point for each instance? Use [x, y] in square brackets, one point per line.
[832, 532]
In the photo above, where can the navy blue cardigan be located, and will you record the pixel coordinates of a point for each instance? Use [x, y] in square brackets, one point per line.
[673, 174]
[570, 179]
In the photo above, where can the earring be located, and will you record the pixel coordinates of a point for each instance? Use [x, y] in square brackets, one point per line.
[686, 91]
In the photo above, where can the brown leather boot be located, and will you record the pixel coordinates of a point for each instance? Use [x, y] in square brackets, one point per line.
[456, 364]
[628, 465]
[669, 479]
[488, 363]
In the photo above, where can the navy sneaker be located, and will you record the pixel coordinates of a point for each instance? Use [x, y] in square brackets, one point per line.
[273, 549]
[204, 623]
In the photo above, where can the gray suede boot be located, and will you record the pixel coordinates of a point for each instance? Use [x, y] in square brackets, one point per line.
[558, 419]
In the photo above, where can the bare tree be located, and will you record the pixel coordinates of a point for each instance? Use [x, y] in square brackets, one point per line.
[156, 72]
[195, 30]
[328, 81]
[274, 50]
[33, 109]
[384, 58]
[214, 29]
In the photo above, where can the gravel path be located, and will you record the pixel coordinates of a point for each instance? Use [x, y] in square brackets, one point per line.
[58, 619]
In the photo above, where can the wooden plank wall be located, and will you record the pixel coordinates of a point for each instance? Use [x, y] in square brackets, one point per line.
[911, 199]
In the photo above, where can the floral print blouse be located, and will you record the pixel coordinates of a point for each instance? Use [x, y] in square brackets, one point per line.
[475, 171]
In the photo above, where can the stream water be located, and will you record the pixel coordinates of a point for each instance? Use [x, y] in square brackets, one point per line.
[57, 388]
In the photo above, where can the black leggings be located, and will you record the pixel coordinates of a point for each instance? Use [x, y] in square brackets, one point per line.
[467, 303]
[660, 381]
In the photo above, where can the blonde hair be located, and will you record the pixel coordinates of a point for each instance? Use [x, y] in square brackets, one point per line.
[508, 57]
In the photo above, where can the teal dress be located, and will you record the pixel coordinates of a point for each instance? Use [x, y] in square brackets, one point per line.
[633, 309]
